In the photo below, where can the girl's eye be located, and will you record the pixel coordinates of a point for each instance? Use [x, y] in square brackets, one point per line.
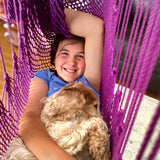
[80, 56]
[64, 53]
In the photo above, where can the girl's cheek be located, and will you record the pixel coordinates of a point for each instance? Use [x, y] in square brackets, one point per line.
[60, 59]
[83, 66]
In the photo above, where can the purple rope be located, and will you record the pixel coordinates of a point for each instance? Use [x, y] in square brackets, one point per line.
[124, 28]
[136, 50]
[128, 99]
[2, 60]
[107, 56]
[139, 62]
[7, 125]
[35, 36]
[132, 39]
[149, 134]
[120, 9]
[7, 21]
[4, 69]
[153, 52]
[155, 149]
[12, 10]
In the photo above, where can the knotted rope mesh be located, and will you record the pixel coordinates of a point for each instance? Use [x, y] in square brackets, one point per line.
[38, 22]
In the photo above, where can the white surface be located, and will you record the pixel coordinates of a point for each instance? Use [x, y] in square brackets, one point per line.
[145, 114]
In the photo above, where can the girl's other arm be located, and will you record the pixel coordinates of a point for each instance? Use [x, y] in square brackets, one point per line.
[92, 29]
[32, 130]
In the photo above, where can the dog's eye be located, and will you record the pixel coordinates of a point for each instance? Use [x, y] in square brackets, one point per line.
[96, 106]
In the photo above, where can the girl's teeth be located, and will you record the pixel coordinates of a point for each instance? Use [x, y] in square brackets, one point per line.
[68, 70]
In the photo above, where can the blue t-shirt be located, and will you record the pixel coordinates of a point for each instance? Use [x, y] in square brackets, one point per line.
[55, 83]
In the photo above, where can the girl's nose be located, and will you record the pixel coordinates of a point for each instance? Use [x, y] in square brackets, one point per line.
[72, 61]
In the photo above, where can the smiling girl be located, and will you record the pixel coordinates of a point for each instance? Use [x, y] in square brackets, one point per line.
[76, 59]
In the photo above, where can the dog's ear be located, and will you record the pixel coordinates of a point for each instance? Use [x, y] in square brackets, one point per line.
[44, 100]
[48, 101]
[92, 104]
[51, 105]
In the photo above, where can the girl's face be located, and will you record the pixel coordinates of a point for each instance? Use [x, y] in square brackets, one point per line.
[69, 60]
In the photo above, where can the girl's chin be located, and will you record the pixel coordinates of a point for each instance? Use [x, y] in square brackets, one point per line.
[67, 80]
[69, 77]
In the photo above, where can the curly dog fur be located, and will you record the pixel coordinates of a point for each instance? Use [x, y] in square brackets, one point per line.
[73, 120]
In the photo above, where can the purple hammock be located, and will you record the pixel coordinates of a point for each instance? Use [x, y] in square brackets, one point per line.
[39, 20]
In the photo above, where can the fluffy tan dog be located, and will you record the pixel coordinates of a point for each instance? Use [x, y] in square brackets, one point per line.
[72, 119]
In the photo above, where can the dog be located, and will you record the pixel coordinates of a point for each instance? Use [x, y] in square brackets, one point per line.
[74, 122]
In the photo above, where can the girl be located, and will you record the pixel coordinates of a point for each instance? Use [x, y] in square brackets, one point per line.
[76, 59]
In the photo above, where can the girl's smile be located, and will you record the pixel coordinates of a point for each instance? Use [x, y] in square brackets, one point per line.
[70, 61]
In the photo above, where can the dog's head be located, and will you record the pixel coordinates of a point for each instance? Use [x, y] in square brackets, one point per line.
[72, 101]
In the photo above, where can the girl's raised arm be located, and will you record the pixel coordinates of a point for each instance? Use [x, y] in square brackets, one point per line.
[92, 29]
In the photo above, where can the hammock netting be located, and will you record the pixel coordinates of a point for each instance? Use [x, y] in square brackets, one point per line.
[39, 20]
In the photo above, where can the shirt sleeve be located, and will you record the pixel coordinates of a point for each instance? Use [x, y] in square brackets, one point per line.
[43, 75]
[86, 82]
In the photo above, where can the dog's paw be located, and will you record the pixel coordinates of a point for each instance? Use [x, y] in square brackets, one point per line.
[99, 145]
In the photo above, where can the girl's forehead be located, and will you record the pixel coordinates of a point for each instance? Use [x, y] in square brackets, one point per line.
[70, 42]
[67, 42]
